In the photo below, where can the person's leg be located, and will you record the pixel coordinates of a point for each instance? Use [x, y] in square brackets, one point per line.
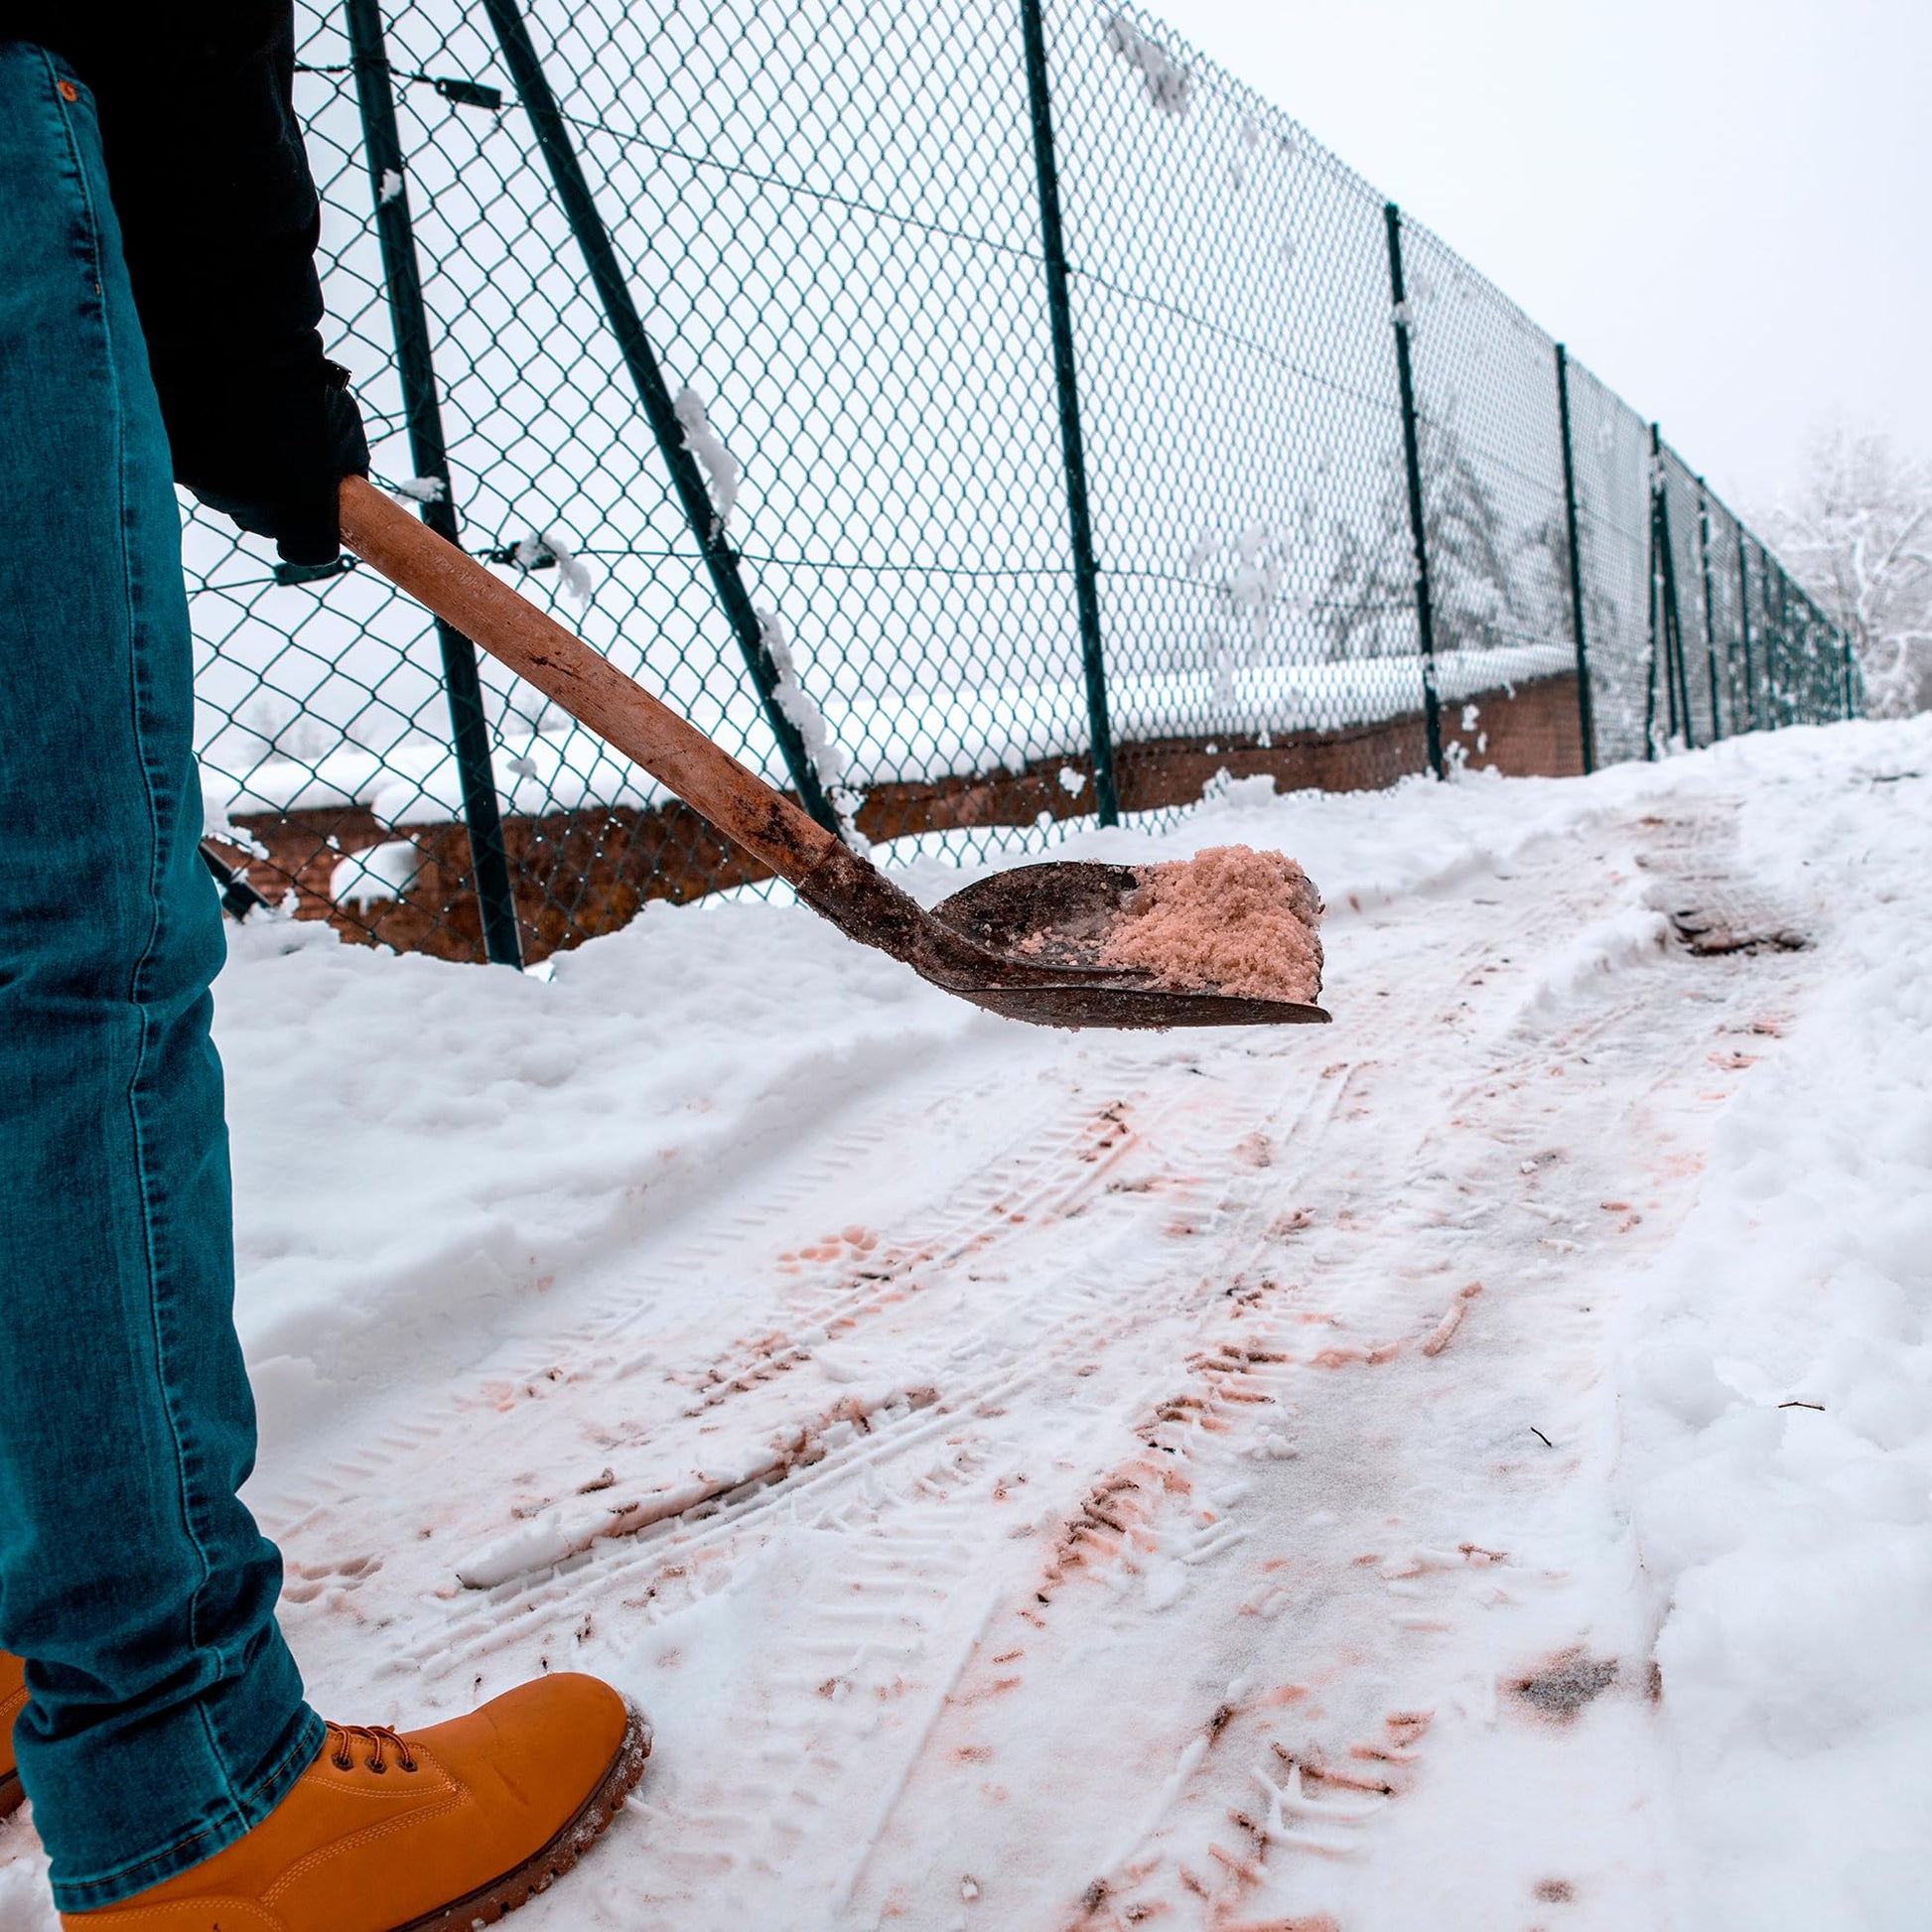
[166, 1715]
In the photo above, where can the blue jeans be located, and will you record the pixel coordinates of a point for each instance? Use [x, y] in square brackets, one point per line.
[166, 1715]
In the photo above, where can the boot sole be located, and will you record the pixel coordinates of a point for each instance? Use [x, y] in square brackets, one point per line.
[12, 1797]
[489, 1903]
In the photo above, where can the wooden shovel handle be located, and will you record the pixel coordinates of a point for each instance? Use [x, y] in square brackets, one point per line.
[592, 690]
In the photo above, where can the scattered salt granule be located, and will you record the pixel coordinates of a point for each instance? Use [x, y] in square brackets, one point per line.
[1231, 919]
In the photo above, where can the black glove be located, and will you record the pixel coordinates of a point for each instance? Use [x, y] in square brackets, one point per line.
[269, 449]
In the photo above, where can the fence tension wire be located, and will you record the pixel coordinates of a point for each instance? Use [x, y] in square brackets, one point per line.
[402, 279]
[640, 359]
[1431, 714]
[1086, 584]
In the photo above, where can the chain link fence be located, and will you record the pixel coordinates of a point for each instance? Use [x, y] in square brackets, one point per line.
[975, 417]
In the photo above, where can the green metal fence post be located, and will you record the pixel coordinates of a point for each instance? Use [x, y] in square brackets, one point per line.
[641, 361]
[1586, 723]
[1659, 642]
[1669, 628]
[1066, 378]
[1709, 605]
[1744, 621]
[423, 415]
[1432, 712]
[1785, 705]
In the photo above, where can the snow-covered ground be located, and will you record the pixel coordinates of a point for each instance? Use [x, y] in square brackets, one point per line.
[1469, 1466]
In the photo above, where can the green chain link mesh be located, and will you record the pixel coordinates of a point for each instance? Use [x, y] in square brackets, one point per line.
[829, 218]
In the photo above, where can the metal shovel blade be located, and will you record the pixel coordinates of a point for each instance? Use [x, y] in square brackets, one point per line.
[1036, 935]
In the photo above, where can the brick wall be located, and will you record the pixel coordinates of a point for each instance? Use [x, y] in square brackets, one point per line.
[584, 873]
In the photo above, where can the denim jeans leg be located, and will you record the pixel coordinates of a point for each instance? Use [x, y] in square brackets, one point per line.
[167, 1714]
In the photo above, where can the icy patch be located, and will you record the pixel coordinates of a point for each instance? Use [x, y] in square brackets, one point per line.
[1565, 1684]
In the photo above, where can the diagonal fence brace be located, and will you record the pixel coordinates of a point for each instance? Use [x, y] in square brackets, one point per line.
[721, 560]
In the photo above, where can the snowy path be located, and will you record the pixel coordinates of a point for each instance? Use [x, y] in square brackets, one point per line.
[1043, 1481]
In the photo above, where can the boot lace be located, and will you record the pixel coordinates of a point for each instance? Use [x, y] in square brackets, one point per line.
[379, 1737]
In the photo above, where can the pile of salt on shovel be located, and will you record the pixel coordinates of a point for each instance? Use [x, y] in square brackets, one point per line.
[1230, 919]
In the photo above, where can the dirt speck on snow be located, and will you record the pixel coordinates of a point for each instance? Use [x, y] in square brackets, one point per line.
[1561, 1687]
[1231, 919]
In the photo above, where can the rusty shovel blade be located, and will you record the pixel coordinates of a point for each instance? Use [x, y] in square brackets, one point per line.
[1026, 943]
[1055, 919]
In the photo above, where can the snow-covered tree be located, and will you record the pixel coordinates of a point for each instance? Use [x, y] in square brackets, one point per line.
[1859, 537]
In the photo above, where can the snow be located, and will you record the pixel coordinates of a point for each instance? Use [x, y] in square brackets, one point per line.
[708, 447]
[1467, 1465]
[797, 704]
[1169, 86]
[381, 872]
[545, 547]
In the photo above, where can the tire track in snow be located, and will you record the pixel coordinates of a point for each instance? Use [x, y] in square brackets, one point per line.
[1312, 1788]
[1115, 1280]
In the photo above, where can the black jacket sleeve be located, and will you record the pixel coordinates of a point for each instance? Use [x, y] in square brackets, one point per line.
[219, 221]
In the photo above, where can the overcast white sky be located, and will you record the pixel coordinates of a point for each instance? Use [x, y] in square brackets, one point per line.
[1724, 206]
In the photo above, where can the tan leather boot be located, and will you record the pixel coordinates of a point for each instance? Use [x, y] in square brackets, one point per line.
[426, 1831]
[13, 1701]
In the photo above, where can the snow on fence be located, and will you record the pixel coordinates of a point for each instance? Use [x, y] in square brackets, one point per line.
[1046, 424]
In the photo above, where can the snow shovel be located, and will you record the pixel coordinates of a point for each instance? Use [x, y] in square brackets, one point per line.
[1024, 944]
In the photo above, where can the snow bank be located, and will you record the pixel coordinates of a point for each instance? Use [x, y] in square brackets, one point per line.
[1778, 1405]
[418, 1147]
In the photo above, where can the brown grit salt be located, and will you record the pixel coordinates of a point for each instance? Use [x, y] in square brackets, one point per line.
[1232, 920]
